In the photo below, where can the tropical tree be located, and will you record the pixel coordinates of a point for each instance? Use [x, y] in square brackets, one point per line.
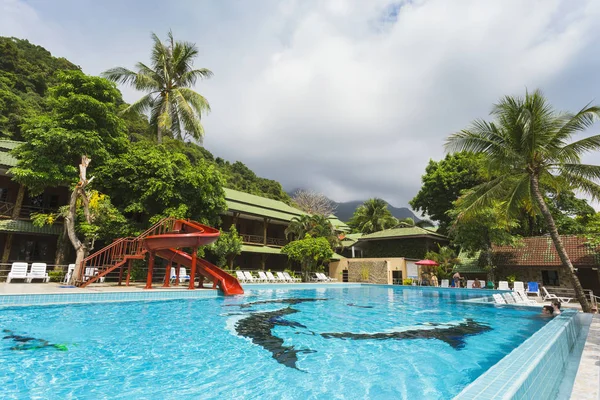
[372, 216]
[446, 259]
[175, 109]
[310, 252]
[314, 202]
[226, 247]
[526, 147]
[313, 225]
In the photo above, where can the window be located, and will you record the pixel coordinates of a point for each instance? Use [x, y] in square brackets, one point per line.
[3, 194]
[550, 278]
[37, 201]
[30, 250]
[53, 203]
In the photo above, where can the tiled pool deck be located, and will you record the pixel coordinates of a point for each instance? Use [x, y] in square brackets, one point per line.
[533, 370]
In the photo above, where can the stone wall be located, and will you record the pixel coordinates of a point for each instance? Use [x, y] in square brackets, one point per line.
[532, 274]
[368, 271]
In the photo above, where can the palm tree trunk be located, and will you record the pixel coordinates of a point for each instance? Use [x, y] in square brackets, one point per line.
[560, 248]
[158, 134]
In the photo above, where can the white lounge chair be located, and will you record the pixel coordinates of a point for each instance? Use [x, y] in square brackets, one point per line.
[91, 272]
[503, 285]
[508, 298]
[518, 286]
[549, 296]
[263, 277]
[326, 278]
[498, 299]
[445, 283]
[250, 278]
[18, 270]
[38, 271]
[271, 277]
[183, 276]
[291, 278]
[240, 276]
[282, 277]
[521, 298]
[69, 274]
[470, 284]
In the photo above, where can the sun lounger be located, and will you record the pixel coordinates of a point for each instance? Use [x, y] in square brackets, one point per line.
[323, 278]
[69, 274]
[240, 276]
[18, 270]
[183, 276]
[533, 287]
[498, 299]
[250, 278]
[518, 286]
[263, 276]
[503, 285]
[508, 298]
[282, 277]
[271, 277]
[470, 284]
[91, 272]
[291, 278]
[521, 298]
[445, 283]
[38, 271]
[549, 296]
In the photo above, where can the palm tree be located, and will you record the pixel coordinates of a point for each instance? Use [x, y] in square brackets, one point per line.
[175, 109]
[313, 225]
[527, 148]
[372, 216]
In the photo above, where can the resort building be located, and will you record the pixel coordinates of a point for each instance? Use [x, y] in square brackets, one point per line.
[535, 259]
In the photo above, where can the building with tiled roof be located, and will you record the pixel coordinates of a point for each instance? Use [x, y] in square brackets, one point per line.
[534, 259]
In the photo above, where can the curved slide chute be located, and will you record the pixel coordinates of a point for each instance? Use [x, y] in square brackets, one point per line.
[191, 234]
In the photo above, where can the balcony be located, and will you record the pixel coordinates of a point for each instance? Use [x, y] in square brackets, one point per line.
[6, 210]
[258, 239]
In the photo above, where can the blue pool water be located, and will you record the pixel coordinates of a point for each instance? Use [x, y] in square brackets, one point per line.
[353, 343]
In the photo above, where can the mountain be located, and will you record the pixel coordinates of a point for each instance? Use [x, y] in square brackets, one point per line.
[346, 209]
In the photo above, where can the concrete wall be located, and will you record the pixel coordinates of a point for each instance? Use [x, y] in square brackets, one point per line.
[368, 270]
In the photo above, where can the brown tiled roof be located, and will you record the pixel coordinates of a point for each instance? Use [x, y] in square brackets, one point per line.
[540, 251]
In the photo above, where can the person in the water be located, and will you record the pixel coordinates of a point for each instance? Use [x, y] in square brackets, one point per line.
[30, 343]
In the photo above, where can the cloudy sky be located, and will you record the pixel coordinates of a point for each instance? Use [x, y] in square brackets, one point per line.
[348, 97]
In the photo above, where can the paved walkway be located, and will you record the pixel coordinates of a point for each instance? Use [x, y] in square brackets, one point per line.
[587, 380]
[47, 288]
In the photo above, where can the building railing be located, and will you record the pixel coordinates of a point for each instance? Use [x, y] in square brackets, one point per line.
[6, 210]
[258, 239]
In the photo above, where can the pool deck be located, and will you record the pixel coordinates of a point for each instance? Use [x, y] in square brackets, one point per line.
[587, 380]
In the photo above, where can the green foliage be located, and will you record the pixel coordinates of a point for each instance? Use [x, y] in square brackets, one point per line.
[372, 216]
[309, 252]
[226, 247]
[26, 71]
[175, 109]
[407, 281]
[443, 183]
[239, 177]
[83, 121]
[56, 276]
[511, 278]
[446, 258]
[313, 225]
[409, 248]
[150, 181]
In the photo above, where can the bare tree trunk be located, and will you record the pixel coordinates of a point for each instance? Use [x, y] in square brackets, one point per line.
[560, 248]
[81, 248]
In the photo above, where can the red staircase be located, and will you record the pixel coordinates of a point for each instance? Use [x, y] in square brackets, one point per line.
[116, 254]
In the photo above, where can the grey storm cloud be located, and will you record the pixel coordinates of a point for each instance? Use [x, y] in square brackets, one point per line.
[351, 98]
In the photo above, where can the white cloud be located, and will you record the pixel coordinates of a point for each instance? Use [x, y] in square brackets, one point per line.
[342, 96]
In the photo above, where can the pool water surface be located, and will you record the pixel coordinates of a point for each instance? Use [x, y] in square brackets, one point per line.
[365, 342]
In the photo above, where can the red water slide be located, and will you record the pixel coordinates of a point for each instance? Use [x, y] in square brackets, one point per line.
[190, 234]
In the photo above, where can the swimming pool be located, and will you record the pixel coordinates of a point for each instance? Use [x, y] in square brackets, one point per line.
[361, 342]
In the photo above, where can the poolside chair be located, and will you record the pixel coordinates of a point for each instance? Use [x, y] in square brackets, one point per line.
[271, 277]
[91, 272]
[183, 276]
[282, 277]
[69, 274]
[518, 286]
[508, 298]
[503, 285]
[250, 278]
[291, 278]
[322, 277]
[498, 299]
[549, 296]
[263, 276]
[533, 287]
[522, 298]
[38, 271]
[18, 270]
[445, 283]
[470, 284]
[240, 276]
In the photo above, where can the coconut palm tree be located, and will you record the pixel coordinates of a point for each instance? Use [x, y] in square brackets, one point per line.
[313, 225]
[175, 109]
[529, 147]
[372, 216]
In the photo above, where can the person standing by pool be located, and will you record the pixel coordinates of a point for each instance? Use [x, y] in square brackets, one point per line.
[434, 280]
[556, 307]
[456, 277]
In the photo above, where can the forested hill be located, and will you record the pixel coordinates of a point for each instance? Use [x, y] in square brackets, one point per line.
[27, 72]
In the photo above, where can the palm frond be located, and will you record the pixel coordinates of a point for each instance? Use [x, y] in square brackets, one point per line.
[120, 75]
[585, 171]
[189, 78]
[571, 153]
[197, 101]
[141, 106]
